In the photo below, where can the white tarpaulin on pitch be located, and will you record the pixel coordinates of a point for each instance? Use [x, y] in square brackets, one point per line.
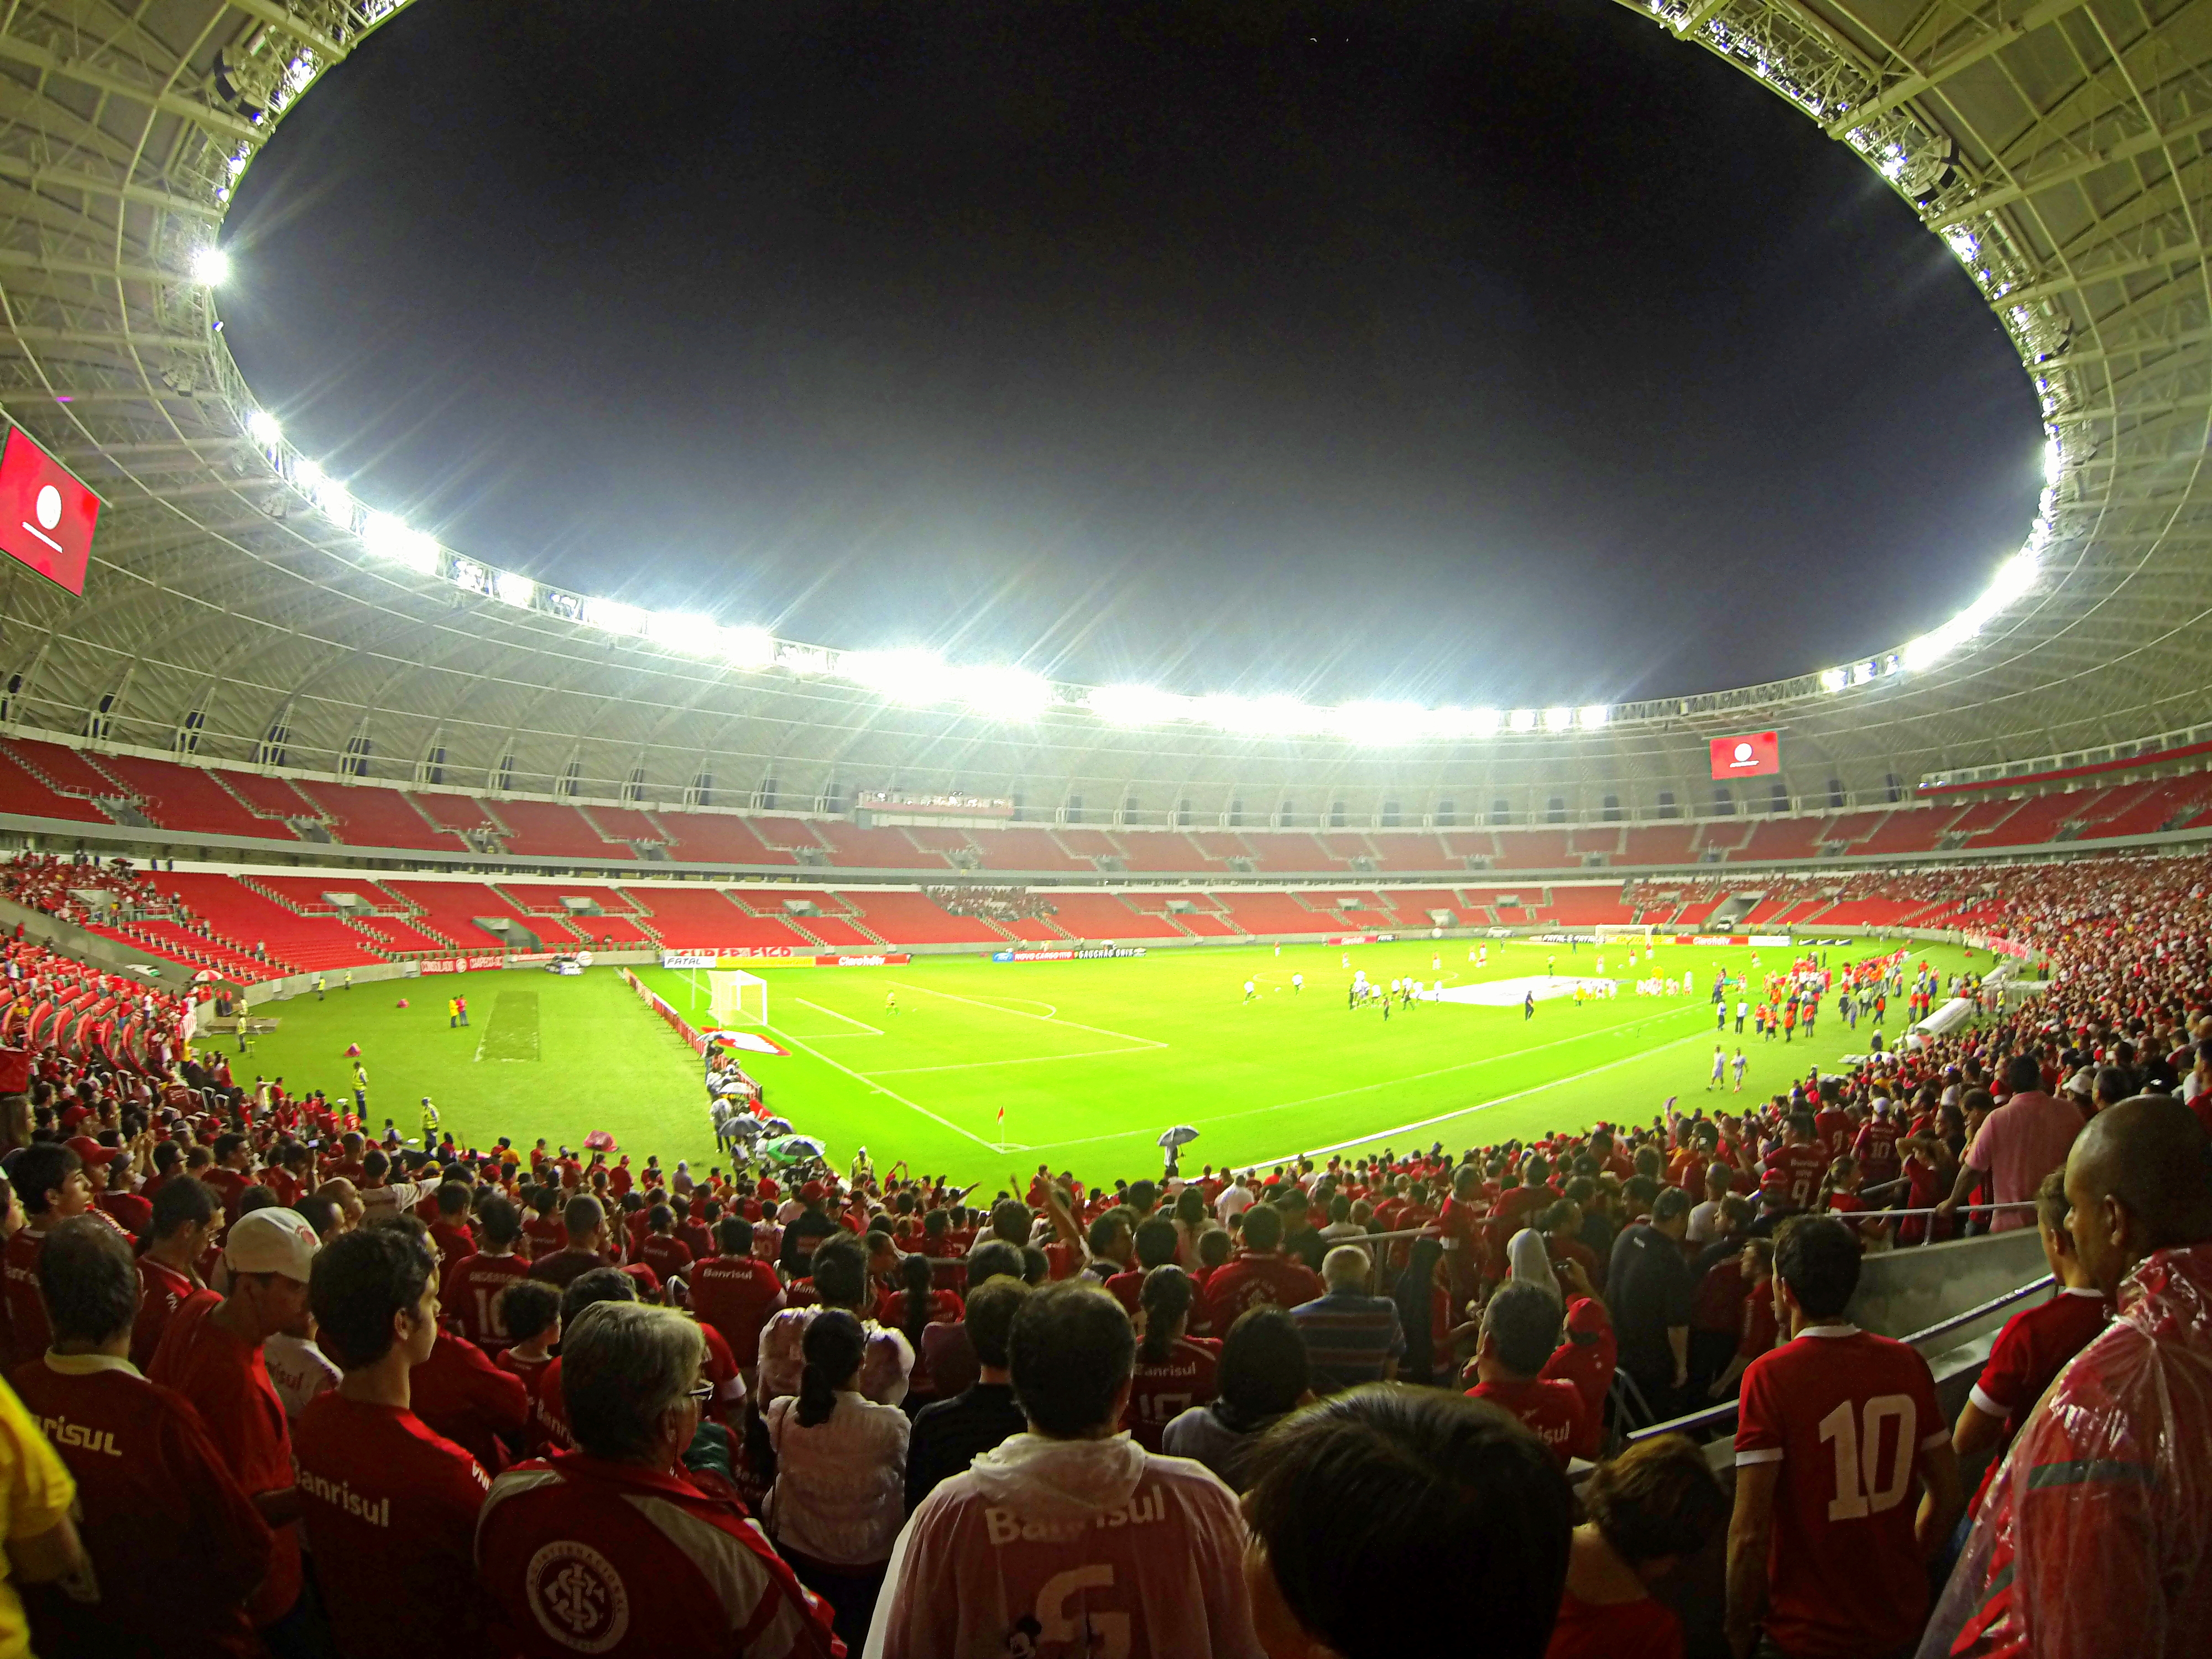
[1512, 993]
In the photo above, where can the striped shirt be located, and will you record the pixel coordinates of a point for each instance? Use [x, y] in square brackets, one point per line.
[1349, 1337]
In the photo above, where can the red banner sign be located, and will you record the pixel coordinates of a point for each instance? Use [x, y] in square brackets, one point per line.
[46, 517]
[1748, 756]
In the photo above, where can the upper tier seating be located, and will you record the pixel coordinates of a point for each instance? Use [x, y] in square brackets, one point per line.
[706, 919]
[1265, 914]
[852, 848]
[1020, 847]
[1166, 851]
[23, 791]
[368, 815]
[2166, 805]
[1907, 831]
[66, 770]
[2035, 821]
[1529, 849]
[1414, 851]
[789, 834]
[1087, 844]
[450, 812]
[1659, 843]
[718, 838]
[1291, 852]
[623, 823]
[1774, 839]
[916, 919]
[269, 798]
[184, 797]
[553, 830]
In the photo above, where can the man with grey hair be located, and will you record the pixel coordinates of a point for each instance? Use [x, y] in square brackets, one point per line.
[609, 1549]
[1351, 1337]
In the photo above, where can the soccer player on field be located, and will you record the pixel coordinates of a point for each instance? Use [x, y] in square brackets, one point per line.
[1839, 1436]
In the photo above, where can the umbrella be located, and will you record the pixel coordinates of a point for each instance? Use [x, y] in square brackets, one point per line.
[791, 1149]
[598, 1141]
[1182, 1135]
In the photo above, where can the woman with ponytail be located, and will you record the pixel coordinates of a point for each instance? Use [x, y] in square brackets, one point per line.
[840, 1491]
[1174, 1372]
[910, 1308]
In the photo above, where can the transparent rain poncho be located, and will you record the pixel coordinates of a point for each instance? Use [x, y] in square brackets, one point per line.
[2095, 1539]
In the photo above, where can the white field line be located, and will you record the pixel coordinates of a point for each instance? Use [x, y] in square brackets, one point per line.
[866, 1030]
[1033, 1060]
[1441, 1070]
[1046, 1020]
[889, 1093]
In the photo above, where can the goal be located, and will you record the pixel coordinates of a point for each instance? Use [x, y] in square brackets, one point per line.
[1640, 933]
[736, 997]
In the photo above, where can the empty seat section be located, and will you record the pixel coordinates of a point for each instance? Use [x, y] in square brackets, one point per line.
[1696, 912]
[623, 823]
[1020, 848]
[1219, 845]
[2034, 821]
[1202, 924]
[450, 909]
[936, 842]
[1983, 815]
[548, 898]
[916, 919]
[1397, 849]
[1036, 929]
[23, 792]
[1876, 912]
[246, 919]
[1781, 838]
[852, 848]
[1851, 827]
[703, 919]
[1722, 836]
[1274, 913]
[718, 838]
[1153, 903]
[1659, 843]
[1413, 904]
[554, 829]
[778, 900]
[310, 893]
[1589, 907]
[613, 932]
[1531, 850]
[181, 945]
[1164, 852]
[1291, 852]
[186, 798]
[1460, 845]
[269, 797]
[453, 811]
[1907, 830]
[1605, 841]
[838, 932]
[1103, 915]
[67, 771]
[367, 814]
[1343, 846]
[785, 835]
[397, 934]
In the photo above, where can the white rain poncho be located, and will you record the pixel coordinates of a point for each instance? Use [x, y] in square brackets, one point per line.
[2095, 1539]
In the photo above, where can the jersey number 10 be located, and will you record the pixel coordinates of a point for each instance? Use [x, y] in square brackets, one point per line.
[1859, 1454]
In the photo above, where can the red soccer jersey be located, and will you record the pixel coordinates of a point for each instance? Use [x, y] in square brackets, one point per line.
[452, 1240]
[27, 1314]
[605, 1559]
[161, 1291]
[665, 1253]
[531, 1371]
[227, 1383]
[1848, 1415]
[1644, 1629]
[174, 1544]
[1876, 1149]
[548, 1430]
[1795, 1172]
[1833, 1129]
[736, 1294]
[129, 1211]
[469, 1401]
[1162, 1391]
[2032, 1348]
[1257, 1279]
[388, 1503]
[470, 1296]
[1553, 1411]
[546, 1234]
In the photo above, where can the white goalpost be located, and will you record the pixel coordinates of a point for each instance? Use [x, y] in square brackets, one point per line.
[736, 997]
[1638, 932]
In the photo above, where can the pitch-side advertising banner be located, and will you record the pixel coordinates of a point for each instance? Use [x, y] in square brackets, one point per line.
[1069, 954]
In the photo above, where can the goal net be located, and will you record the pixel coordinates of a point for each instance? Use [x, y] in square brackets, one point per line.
[1642, 933]
[736, 997]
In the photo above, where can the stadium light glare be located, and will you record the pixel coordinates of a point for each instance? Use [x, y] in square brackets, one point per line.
[907, 675]
[1593, 716]
[679, 630]
[1522, 720]
[1378, 721]
[1137, 705]
[1834, 679]
[1007, 693]
[514, 588]
[261, 426]
[333, 501]
[210, 266]
[614, 617]
[801, 659]
[748, 647]
[306, 475]
[387, 537]
[1558, 720]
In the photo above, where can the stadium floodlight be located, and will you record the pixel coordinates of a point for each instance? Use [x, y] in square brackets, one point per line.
[1375, 721]
[1137, 705]
[332, 500]
[614, 617]
[1835, 679]
[801, 659]
[679, 630]
[906, 674]
[261, 427]
[306, 475]
[1558, 720]
[1006, 694]
[515, 589]
[1592, 717]
[1522, 720]
[387, 537]
[748, 647]
[210, 265]
[1262, 717]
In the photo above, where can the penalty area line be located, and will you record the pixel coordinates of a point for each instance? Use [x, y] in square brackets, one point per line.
[879, 1088]
[866, 1030]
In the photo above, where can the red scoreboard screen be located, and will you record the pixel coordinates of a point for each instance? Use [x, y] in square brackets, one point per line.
[46, 516]
[1746, 757]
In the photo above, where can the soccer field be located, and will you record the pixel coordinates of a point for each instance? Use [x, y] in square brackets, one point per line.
[1090, 1061]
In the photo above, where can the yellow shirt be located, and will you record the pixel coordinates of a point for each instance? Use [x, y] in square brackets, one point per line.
[36, 1492]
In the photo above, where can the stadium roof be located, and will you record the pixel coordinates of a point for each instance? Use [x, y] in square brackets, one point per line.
[240, 605]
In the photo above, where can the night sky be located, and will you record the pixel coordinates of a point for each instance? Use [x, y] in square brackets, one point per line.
[1478, 352]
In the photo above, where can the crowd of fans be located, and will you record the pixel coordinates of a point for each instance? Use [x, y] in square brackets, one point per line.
[279, 1388]
[994, 904]
[58, 886]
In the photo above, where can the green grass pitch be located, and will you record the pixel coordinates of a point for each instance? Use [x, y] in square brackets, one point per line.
[1091, 1060]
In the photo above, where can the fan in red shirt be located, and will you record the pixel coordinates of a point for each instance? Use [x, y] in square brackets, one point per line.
[1173, 1372]
[469, 1290]
[451, 1236]
[1837, 1431]
[211, 1355]
[466, 1399]
[669, 1256]
[736, 1293]
[1520, 1328]
[611, 1550]
[1831, 1128]
[173, 1545]
[1587, 1358]
[187, 1220]
[1793, 1171]
[1876, 1147]
[1259, 1275]
[1650, 1508]
[531, 1312]
[386, 1501]
[543, 1231]
[51, 1181]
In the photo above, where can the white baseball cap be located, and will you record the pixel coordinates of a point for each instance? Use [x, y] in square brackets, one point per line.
[271, 1241]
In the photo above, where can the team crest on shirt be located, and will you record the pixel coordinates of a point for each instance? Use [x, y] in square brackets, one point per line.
[578, 1596]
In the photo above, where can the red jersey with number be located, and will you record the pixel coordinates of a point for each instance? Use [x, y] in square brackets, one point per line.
[1848, 1415]
[1553, 1411]
[470, 1296]
[1833, 1129]
[1876, 1150]
[1795, 1173]
[737, 1295]
[1162, 1391]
